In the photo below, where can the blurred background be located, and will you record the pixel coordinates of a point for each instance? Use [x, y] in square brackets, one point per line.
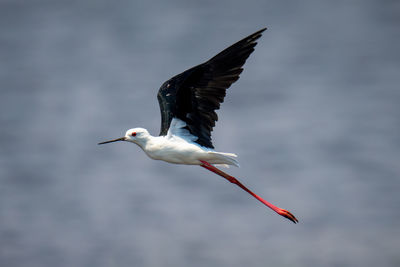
[315, 120]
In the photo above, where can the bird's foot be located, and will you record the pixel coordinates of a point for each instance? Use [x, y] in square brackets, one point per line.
[287, 215]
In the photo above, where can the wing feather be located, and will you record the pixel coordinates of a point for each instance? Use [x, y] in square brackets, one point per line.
[194, 95]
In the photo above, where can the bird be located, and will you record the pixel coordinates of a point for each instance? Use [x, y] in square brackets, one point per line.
[188, 102]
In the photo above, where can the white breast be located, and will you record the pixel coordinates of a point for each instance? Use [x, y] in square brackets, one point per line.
[174, 149]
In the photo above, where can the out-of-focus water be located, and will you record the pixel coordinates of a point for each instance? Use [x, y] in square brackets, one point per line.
[315, 120]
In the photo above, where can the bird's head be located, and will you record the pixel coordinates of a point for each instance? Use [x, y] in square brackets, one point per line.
[135, 135]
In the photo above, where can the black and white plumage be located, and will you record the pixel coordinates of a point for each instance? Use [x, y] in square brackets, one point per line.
[187, 103]
[195, 94]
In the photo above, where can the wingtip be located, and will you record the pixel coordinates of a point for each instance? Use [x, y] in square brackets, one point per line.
[261, 30]
[253, 37]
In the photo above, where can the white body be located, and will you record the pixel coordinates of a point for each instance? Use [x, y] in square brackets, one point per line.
[177, 146]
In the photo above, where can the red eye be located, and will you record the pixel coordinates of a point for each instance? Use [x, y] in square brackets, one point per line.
[133, 134]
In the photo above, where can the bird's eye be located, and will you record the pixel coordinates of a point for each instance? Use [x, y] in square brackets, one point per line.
[133, 134]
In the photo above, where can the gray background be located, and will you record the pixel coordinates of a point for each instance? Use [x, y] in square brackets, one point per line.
[315, 120]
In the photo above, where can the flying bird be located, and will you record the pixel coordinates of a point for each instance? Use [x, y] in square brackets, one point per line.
[188, 102]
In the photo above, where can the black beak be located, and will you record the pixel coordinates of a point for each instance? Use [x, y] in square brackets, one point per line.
[115, 140]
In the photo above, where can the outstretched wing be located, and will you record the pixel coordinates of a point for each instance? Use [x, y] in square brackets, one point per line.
[194, 95]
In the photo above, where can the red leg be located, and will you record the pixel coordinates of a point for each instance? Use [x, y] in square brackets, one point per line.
[232, 179]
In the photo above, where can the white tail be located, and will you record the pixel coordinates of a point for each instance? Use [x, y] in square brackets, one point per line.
[223, 159]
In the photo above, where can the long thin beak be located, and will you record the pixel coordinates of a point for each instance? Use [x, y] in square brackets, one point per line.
[114, 140]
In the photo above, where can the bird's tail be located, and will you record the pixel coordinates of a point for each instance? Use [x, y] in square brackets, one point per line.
[223, 159]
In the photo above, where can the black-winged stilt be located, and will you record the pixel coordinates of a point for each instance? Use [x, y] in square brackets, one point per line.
[188, 102]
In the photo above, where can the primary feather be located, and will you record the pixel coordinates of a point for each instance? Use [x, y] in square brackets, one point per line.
[194, 95]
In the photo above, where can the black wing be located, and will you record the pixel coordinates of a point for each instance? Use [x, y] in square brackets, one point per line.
[194, 95]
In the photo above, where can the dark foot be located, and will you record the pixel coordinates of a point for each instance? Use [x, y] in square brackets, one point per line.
[288, 215]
